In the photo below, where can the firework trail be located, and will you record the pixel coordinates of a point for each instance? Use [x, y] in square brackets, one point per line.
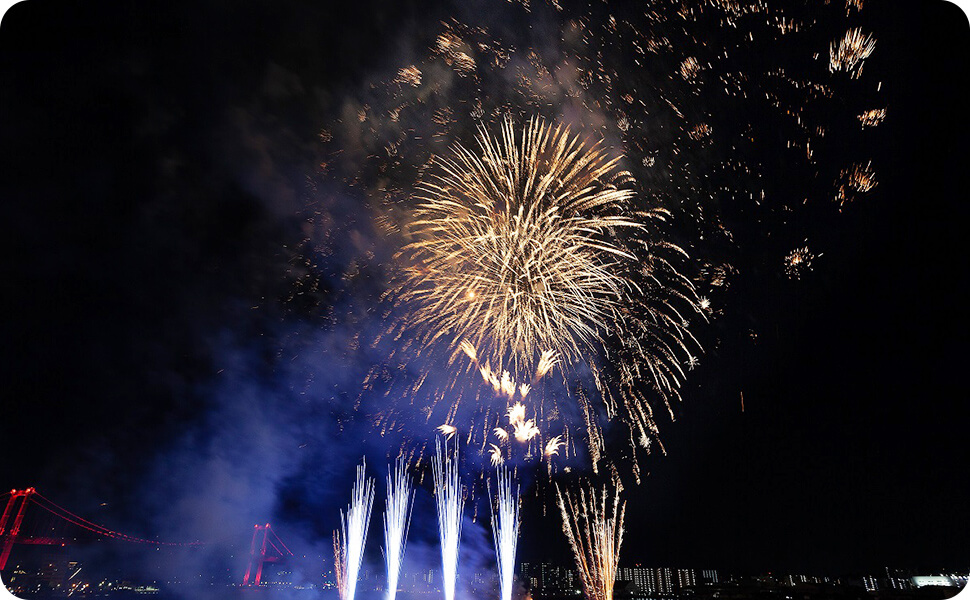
[397, 517]
[451, 502]
[348, 542]
[505, 531]
[593, 523]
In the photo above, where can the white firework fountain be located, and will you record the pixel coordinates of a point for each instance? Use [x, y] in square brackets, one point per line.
[348, 542]
[450, 505]
[397, 517]
[505, 531]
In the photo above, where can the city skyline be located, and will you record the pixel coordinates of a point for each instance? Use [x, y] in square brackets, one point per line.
[541, 580]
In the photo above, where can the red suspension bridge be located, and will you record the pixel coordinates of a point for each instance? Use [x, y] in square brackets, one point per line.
[30, 518]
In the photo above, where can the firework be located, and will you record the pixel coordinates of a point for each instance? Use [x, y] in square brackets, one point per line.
[505, 384]
[858, 179]
[593, 523]
[547, 360]
[872, 117]
[850, 52]
[450, 501]
[527, 255]
[690, 68]
[523, 429]
[448, 431]
[505, 532]
[496, 455]
[513, 249]
[397, 516]
[348, 542]
[798, 261]
[410, 75]
[553, 446]
[691, 98]
[452, 48]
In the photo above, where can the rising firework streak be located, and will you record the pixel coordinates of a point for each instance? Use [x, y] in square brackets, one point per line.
[397, 517]
[451, 502]
[348, 542]
[505, 531]
[593, 523]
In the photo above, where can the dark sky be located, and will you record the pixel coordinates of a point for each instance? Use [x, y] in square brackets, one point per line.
[155, 184]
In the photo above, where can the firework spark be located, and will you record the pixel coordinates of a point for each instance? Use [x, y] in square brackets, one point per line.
[505, 384]
[505, 532]
[496, 455]
[858, 179]
[872, 117]
[522, 429]
[348, 542]
[593, 524]
[450, 502]
[849, 52]
[553, 446]
[397, 517]
[410, 75]
[690, 68]
[798, 261]
[547, 360]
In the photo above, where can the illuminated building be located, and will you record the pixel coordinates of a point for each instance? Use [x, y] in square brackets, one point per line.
[928, 580]
[898, 579]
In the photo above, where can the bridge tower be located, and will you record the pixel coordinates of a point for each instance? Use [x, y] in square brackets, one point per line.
[258, 557]
[6, 536]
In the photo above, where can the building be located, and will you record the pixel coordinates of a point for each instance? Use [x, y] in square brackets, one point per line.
[548, 578]
[639, 576]
[686, 578]
[709, 576]
[661, 581]
[928, 580]
[529, 575]
[897, 579]
[870, 583]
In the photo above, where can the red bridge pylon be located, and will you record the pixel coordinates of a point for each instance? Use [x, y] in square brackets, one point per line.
[265, 553]
[8, 537]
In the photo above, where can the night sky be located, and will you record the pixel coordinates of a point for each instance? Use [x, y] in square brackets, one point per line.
[161, 376]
